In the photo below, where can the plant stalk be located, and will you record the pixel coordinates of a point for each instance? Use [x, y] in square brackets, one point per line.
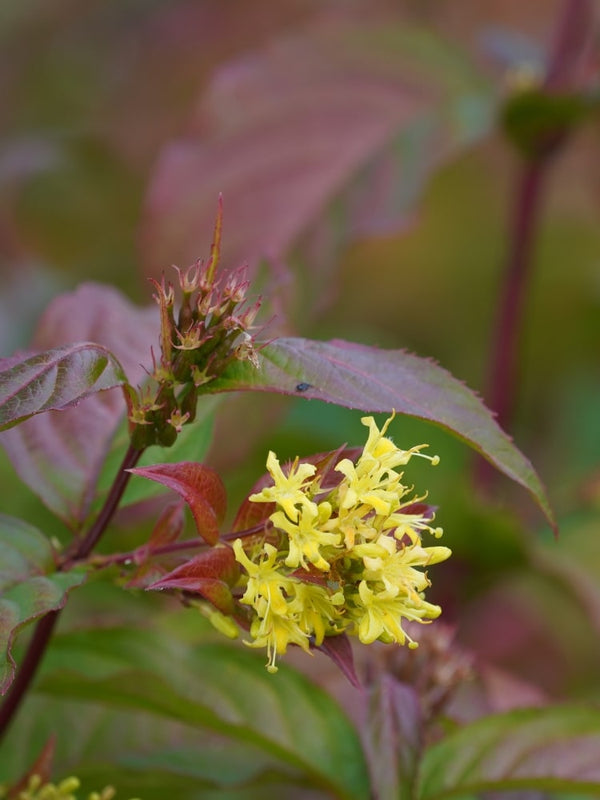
[504, 380]
[45, 626]
[570, 41]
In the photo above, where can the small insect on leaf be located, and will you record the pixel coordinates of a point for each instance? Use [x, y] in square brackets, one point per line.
[303, 387]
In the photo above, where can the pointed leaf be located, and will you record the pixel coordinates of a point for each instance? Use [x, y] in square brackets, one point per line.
[215, 591]
[30, 587]
[200, 487]
[348, 114]
[363, 377]
[59, 454]
[42, 767]
[227, 689]
[191, 445]
[209, 574]
[394, 735]
[251, 514]
[209, 771]
[218, 562]
[554, 749]
[169, 526]
[54, 380]
[339, 650]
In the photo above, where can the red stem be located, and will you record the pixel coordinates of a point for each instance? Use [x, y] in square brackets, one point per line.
[172, 547]
[90, 540]
[504, 377]
[572, 35]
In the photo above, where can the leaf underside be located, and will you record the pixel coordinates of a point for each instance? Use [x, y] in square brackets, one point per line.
[332, 130]
[54, 380]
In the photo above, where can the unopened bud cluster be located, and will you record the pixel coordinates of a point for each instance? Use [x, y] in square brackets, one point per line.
[344, 560]
[210, 329]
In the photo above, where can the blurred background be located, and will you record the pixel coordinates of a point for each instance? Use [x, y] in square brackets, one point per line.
[368, 182]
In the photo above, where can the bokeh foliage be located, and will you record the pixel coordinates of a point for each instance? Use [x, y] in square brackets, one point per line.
[104, 105]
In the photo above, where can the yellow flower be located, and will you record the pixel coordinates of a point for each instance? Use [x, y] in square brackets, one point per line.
[306, 535]
[267, 588]
[363, 487]
[411, 524]
[356, 525]
[316, 609]
[269, 592]
[276, 632]
[288, 491]
[379, 615]
[382, 450]
[373, 481]
[365, 534]
[397, 567]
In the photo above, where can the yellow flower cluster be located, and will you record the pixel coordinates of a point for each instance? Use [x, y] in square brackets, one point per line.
[347, 559]
[37, 790]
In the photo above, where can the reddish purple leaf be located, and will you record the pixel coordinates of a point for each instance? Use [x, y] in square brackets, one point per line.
[394, 737]
[352, 107]
[339, 650]
[370, 379]
[209, 574]
[200, 487]
[168, 527]
[59, 454]
[54, 380]
[251, 515]
[215, 591]
[218, 562]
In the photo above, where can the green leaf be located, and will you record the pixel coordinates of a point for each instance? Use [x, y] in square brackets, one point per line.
[554, 749]
[29, 585]
[224, 689]
[54, 380]
[228, 765]
[363, 377]
[231, 773]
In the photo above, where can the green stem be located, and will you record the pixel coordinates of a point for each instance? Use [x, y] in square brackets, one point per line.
[45, 627]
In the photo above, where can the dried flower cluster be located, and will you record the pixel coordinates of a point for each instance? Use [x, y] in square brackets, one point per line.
[347, 559]
[212, 328]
